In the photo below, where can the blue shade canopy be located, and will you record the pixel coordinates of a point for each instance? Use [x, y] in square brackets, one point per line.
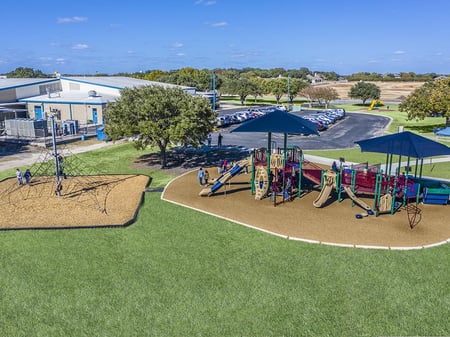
[443, 132]
[279, 121]
[406, 144]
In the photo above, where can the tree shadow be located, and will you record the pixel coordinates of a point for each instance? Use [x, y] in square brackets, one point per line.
[190, 157]
[425, 128]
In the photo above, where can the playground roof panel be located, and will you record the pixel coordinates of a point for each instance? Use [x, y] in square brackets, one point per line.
[406, 144]
[279, 121]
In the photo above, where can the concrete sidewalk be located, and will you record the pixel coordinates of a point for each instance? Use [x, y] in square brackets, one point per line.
[26, 159]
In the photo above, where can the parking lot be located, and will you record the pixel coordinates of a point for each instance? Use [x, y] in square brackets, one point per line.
[340, 135]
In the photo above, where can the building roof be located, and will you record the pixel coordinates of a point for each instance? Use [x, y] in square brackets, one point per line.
[73, 97]
[121, 82]
[10, 83]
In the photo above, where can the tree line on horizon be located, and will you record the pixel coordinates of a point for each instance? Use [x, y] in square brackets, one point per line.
[201, 78]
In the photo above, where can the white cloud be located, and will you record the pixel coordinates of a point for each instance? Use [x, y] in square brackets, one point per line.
[205, 3]
[73, 19]
[180, 54]
[399, 52]
[219, 24]
[80, 46]
[60, 60]
[177, 45]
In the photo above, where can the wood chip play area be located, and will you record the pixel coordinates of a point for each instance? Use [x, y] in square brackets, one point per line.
[84, 201]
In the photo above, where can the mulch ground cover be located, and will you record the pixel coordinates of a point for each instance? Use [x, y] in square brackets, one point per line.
[336, 222]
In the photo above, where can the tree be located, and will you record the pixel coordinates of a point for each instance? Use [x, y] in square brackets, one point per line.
[365, 91]
[433, 98]
[277, 87]
[258, 87]
[241, 87]
[159, 116]
[295, 86]
[22, 72]
[309, 94]
[326, 94]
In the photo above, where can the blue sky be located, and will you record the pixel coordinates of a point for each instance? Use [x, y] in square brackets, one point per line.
[345, 36]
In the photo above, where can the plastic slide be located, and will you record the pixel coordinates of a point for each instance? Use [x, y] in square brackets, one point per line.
[374, 101]
[357, 201]
[222, 179]
[328, 186]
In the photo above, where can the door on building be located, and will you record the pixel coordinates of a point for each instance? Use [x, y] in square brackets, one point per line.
[94, 116]
[37, 112]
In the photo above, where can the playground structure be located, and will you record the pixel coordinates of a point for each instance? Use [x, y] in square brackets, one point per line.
[271, 173]
[390, 192]
[65, 191]
[375, 104]
[277, 173]
[284, 174]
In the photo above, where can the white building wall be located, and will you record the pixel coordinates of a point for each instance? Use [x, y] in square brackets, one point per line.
[68, 85]
[28, 91]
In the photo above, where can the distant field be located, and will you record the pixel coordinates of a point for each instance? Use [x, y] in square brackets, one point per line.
[390, 91]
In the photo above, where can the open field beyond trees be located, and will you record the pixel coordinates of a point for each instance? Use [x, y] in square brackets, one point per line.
[390, 91]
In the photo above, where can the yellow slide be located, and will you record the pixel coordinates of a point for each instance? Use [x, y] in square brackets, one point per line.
[374, 103]
[328, 186]
[357, 201]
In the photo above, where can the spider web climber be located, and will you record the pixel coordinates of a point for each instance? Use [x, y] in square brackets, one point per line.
[63, 175]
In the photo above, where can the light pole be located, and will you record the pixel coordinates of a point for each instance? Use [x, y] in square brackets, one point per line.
[289, 89]
[213, 88]
[55, 155]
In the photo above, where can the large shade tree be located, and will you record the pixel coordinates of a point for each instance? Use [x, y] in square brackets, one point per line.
[159, 116]
[241, 87]
[431, 99]
[277, 87]
[365, 91]
[295, 85]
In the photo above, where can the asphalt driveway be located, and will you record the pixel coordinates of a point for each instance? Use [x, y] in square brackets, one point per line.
[342, 135]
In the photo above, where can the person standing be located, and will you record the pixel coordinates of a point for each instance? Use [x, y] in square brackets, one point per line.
[209, 140]
[334, 167]
[200, 176]
[224, 166]
[219, 140]
[206, 177]
[27, 175]
[19, 176]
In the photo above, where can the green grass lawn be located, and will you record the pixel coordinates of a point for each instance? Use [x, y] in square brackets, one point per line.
[424, 127]
[177, 272]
